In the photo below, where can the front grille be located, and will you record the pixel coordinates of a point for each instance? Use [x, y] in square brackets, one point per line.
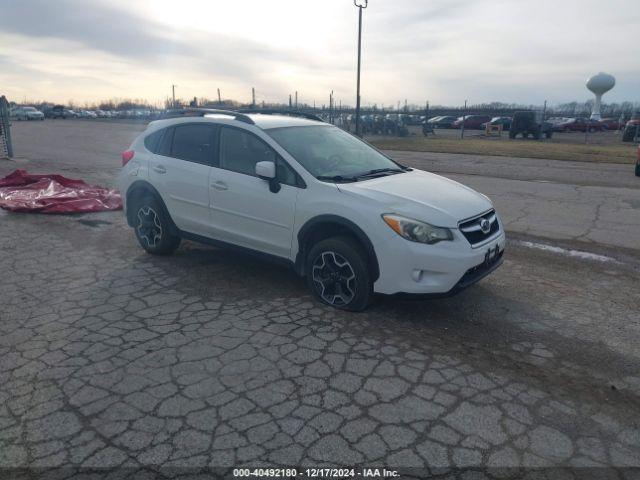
[472, 229]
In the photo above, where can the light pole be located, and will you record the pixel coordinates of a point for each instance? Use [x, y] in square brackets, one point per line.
[361, 4]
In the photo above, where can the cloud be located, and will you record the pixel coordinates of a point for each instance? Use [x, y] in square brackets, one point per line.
[441, 50]
[93, 25]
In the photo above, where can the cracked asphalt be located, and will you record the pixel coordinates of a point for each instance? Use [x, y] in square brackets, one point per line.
[110, 357]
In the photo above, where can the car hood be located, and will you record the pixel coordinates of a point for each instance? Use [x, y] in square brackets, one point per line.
[422, 196]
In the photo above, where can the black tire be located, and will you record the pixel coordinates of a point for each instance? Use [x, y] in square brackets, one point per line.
[627, 134]
[548, 134]
[567, 130]
[536, 136]
[512, 134]
[326, 269]
[152, 226]
[525, 134]
[637, 169]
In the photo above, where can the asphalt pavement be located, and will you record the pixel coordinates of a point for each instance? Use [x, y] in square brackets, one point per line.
[114, 358]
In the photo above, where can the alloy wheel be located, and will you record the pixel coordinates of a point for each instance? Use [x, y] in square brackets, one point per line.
[149, 226]
[334, 278]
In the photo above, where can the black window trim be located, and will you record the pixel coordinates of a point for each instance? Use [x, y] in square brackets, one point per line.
[300, 183]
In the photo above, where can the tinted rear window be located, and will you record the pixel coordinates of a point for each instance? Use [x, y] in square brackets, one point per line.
[194, 143]
[152, 141]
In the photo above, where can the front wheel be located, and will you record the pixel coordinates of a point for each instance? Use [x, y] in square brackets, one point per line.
[338, 275]
[152, 227]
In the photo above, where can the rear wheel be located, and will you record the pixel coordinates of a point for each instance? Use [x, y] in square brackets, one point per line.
[338, 275]
[152, 227]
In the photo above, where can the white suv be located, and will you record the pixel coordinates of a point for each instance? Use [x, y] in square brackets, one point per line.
[293, 188]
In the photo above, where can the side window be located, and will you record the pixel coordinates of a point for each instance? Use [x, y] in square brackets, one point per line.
[164, 146]
[240, 151]
[194, 143]
[152, 141]
[285, 174]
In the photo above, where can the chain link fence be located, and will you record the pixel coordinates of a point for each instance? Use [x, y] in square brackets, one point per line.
[6, 149]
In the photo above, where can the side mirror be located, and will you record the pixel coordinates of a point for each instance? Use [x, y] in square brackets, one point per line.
[266, 170]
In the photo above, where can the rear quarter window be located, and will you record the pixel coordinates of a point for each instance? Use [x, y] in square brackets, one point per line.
[152, 141]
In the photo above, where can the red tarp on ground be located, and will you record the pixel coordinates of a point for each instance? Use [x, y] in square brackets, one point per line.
[23, 192]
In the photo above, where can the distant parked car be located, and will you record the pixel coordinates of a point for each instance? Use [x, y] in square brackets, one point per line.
[443, 121]
[26, 113]
[611, 123]
[471, 121]
[632, 128]
[504, 121]
[411, 119]
[530, 122]
[87, 114]
[578, 124]
[58, 111]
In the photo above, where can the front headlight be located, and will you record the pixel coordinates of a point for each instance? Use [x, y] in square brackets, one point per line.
[416, 231]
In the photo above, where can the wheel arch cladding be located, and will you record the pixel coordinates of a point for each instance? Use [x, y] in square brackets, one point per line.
[326, 226]
[137, 190]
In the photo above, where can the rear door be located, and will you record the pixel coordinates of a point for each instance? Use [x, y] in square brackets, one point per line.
[243, 209]
[180, 172]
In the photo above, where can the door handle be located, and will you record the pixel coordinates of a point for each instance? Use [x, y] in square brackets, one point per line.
[219, 186]
[159, 169]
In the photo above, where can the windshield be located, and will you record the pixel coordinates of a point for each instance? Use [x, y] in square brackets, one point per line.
[327, 151]
[29, 109]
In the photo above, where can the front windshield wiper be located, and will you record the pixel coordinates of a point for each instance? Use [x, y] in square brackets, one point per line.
[337, 178]
[378, 171]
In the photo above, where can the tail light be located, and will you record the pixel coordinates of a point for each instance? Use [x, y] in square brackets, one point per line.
[126, 156]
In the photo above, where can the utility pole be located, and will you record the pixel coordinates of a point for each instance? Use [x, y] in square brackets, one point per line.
[219, 99]
[544, 114]
[253, 97]
[296, 104]
[361, 4]
[289, 101]
[173, 94]
[331, 107]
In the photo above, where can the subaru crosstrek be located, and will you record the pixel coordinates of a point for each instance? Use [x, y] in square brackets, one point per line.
[341, 213]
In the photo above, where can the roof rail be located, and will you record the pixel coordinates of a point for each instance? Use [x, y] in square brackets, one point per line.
[275, 111]
[201, 112]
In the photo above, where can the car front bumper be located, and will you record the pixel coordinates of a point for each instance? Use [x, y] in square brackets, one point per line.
[443, 269]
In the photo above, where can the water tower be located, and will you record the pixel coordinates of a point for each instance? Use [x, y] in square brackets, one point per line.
[600, 84]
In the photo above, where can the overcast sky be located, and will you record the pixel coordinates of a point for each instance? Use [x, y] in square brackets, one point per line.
[445, 51]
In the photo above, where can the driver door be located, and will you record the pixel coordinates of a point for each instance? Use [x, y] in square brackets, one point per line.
[243, 209]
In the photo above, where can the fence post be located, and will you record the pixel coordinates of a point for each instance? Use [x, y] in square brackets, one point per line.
[6, 148]
[464, 119]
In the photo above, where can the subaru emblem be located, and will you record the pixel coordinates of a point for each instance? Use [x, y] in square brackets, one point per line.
[485, 226]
